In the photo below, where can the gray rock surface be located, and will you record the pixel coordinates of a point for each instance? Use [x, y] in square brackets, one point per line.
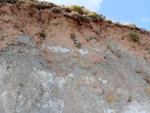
[73, 82]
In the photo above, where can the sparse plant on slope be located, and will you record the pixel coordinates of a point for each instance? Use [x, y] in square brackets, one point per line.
[117, 24]
[7, 18]
[2, 37]
[85, 19]
[9, 1]
[56, 10]
[79, 45]
[22, 30]
[42, 34]
[111, 97]
[86, 11]
[1, 28]
[134, 36]
[44, 5]
[138, 72]
[93, 15]
[133, 25]
[147, 90]
[77, 8]
[147, 79]
[75, 15]
[108, 20]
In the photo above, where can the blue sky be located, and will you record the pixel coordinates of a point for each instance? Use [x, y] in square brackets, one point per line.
[131, 11]
[124, 11]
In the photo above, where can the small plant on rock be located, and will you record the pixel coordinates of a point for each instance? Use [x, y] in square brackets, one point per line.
[56, 10]
[2, 37]
[78, 45]
[1, 28]
[42, 34]
[138, 72]
[93, 15]
[9, 1]
[7, 18]
[134, 36]
[22, 30]
[147, 79]
[77, 8]
[75, 15]
[111, 97]
[147, 90]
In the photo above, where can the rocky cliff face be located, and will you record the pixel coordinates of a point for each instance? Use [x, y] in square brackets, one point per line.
[76, 67]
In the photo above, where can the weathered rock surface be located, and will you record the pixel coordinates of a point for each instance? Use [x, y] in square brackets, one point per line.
[77, 81]
[66, 65]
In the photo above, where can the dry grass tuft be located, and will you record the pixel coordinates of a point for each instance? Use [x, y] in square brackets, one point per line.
[93, 15]
[7, 18]
[75, 15]
[111, 97]
[77, 8]
[56, 10]
[147, 90]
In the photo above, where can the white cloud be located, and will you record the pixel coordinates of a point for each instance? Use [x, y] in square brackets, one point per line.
[93, 5]
[145, 19]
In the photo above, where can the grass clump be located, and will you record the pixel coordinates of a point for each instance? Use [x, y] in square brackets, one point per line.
[22, 30]
[9, 1]
[75, 15]
[147, 79]
[138, 72]
[111, 97]
[42, 34]
[117, 24]
[85, 19]
[56, 10]
[147, 90]
[7, 18]
[93, 15]
[77, 8]
[79, 45]
[2, 37]
[134, 36]
[108, 21]
[44, 5]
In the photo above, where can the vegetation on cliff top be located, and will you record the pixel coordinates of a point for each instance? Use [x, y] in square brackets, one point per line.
[74, 11]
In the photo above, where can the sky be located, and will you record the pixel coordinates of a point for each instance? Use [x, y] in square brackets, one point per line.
[125, 11]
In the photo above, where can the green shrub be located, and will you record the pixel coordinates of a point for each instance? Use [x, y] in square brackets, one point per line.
[86, 11]
[56, 10]
[108, 21]
[148, 32]
[2, 37]
[93, 15]
[85, 19]
[134, 36]
[22, 30]
[137, 71]
[100, 17]
[41, 6]
[133, 26]
[42, 34]
[67, 9]
[75, 15]
[44, 5]
[117, 24]
[9, 1]
[79, 45]
[77, 8]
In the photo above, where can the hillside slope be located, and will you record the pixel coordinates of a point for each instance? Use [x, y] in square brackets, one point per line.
[53, 63]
